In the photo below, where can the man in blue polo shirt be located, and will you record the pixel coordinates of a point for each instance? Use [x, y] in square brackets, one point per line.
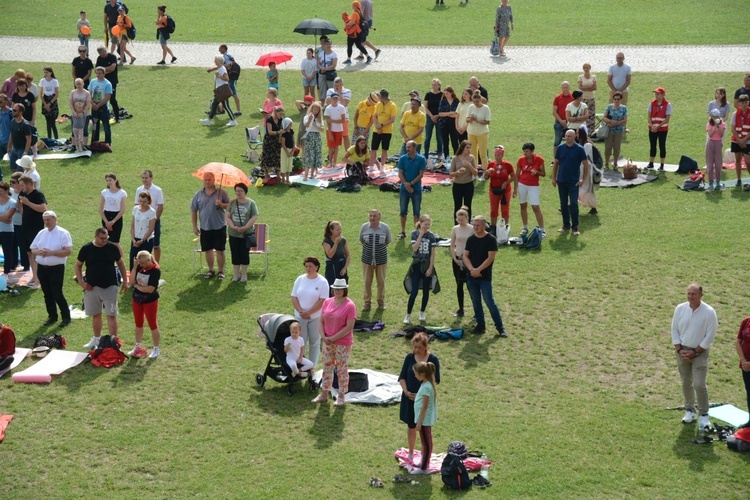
[567, 176]
[411, 167]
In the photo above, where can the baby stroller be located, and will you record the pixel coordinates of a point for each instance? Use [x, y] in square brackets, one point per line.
[275, 330]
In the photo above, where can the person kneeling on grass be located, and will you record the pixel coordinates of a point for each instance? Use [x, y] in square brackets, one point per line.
[294, 346]
[145, 281]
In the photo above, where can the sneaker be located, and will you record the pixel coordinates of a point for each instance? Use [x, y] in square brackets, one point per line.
[205, 121]
[563, 229]
[704, 423]
[154, 353]
[543, 232]
[502, 332]
[524, 232]
[366, 307]
[710, 189]
[161, 62]
[407, 319]
[422, 316]
[576, 232]
[459, 313]
[650, 166]
[238, 113]
[478, 330]
[718, 186]
[401, 235]
[377, 53]
[93, 343]
[661, 167]
[232, 123]
[138, 352]
[419, 471]
[173, 60]
[369, 60]
[689, 417]
[347, 62]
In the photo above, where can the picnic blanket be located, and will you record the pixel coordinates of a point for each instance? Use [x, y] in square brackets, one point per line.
[54, 363]
[473, 464]
[325, 175]
[729, 414]
[384, 388]
[57, 156]
[4, 421]
[18, 356]
[19, 278]
[611, 178]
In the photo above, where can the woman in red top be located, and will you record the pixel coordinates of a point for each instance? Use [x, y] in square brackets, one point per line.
[501, 176]
[659, 112]
[743, 349]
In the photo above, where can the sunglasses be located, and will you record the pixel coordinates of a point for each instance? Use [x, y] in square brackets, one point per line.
[617, 98]
[81, 51]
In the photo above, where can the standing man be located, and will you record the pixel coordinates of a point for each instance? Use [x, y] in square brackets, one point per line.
[345, 95]
[108, 61]
[559, 103]
[211, 203]
[375, 237]
[82, 66]
[100, 284]
[744, 90]
[230, 63]
[327, 61]
[478, 258]
[412, 125]
[32, 204]
[101, 92]
[411, 167]
[50, 249]
[568, 177]
[157, 203]
[110, 21]
[694, 326]
[475, 85]
[618, 78]
[19, 144]
[385, 115]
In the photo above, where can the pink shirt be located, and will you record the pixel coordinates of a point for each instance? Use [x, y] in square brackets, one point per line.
[335, 318]
[713, 132]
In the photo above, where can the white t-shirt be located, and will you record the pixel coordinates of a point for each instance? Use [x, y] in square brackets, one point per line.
[336, 113]
[141, 222]
[220, 72]
[308, 292]
[326, 59]
[344, 94]
[112, 200]
[576, 111]
[483, 114]
[48, 87]
[34, 174]
[619, 75]
[308, 121]
[309, 66]
[157, 195]
[297, 346]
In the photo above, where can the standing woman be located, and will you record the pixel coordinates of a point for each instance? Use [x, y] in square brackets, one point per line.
[270, 160]
[463, 169]
[308, 293]
[80, 109]
[23, 96]
[337, 253]
[241, 216]
[354, 33]
[363, 117]
[336, 327]
[462, 112]
[313, 155]
[432, 109]
[502, 177]
[7, 235]
[743, 350]
[422, 268]
[50, 95]
[478, 127]
[720, 103]
[142, 227]
[221, 94]
[587, 85]
[715, 130]
[112, 208]
[162, 33]
[420, 353]
[459, 234]
[659, 113]
[447, 120]
[586, 193]
[503, 17]
[616, 116]
[144, 281]
[125, 24]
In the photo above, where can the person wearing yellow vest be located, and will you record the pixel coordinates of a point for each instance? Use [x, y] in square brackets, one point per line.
[659, 113]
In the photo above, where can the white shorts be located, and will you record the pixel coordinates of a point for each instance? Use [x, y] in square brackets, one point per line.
[528, 193]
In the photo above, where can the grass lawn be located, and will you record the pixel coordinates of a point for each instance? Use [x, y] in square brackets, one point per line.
[586, 22]
[570, 405]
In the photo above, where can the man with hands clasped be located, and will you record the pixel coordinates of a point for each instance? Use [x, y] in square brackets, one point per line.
[567, 177]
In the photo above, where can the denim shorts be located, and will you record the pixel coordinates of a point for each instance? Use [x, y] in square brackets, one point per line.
[416, 200]
[233, 86]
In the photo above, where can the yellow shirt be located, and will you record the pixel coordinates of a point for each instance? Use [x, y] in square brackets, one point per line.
[385, 112]
[354, 157]
[412, 122]
[365, 114]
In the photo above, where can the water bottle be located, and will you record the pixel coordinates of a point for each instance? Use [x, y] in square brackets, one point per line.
[484, 472]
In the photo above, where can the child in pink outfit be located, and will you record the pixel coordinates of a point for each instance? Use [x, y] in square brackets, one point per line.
[715, 129]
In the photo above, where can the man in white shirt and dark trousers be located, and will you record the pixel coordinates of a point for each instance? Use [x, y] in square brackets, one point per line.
[694, 326]
[50, 249]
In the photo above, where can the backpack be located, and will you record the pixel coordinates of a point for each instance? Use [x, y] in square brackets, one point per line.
[107, 353]
[131, 31]
[686, 165]
[56, 341]
[533, 239]
[234, 71]
[171, 25]
[454, 473]
[597, 157]
[694, 182]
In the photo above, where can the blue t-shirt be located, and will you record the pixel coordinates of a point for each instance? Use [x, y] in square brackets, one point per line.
[617, 115]
[5, 126]
[431, 416]
[411, 169]
[99, 90]
[570, 157]
[7, 227]
[271, 74]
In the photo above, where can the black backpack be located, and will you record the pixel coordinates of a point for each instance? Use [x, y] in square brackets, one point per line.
[131, 31]
[170, 25]
[597, 157]
[55, 341]
[234, 70]
[454, 473]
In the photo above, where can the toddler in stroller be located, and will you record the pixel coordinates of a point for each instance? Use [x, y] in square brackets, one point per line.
[294, 346]
[276, 330]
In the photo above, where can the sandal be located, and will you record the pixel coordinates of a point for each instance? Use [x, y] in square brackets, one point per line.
[375, 482]
[208, 275]
[401, 478]
[221, 276]
[401, 235]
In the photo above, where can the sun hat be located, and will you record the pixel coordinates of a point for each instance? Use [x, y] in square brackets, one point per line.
[26, 162]
[340, 284]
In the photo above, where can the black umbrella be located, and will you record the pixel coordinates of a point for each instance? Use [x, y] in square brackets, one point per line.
[316, 27]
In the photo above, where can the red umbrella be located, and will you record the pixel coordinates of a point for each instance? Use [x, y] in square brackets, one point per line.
[274, 57]
[224, 173]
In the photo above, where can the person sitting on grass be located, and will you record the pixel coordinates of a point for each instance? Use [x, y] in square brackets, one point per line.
[7, 346]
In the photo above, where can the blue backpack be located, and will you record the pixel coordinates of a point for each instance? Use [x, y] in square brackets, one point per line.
[533, 239]
[454, 473]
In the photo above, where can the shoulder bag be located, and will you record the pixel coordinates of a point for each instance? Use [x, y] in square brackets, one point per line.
[250, 240]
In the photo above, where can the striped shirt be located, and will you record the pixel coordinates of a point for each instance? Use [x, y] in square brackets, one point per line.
[374, 243]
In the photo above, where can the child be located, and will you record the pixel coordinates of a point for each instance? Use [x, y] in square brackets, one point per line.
[313, 157]
[293, 347]
[84, 31]
[309, 71]
[79, 122]
[425, 411]
[7, 346]
[272, 76]
[715, 129]
[287, 149]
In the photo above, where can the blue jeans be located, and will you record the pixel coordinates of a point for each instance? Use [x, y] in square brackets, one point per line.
[101, 115]
[429, 126]
[403, 149]
[482, 289]
[15, 155]
[84, 40]
[559, 129]
[568, 192]
[416, 200]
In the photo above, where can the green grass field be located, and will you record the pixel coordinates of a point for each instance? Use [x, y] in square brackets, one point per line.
[586, 22]
[569, 406]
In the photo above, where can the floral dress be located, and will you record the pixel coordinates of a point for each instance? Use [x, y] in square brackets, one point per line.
[503, 17]
[313, 157]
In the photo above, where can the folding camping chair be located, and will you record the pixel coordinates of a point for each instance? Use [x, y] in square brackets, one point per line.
[262, 238]
[253, 137]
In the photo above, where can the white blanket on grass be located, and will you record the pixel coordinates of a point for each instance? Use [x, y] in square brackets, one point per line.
[384, 388]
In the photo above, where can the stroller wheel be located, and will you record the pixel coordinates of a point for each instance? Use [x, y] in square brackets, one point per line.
[290, 389]
[260, 379]
[313, 386]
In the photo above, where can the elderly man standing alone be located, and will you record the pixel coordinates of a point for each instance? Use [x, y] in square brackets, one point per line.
[694, 326]
[618, 78]
[375, 237]
[51, 248]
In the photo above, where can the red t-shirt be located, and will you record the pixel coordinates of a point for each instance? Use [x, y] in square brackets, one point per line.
[526, 166]
[744, 336]
[7, 342]
[562, 101]
[500, 174]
